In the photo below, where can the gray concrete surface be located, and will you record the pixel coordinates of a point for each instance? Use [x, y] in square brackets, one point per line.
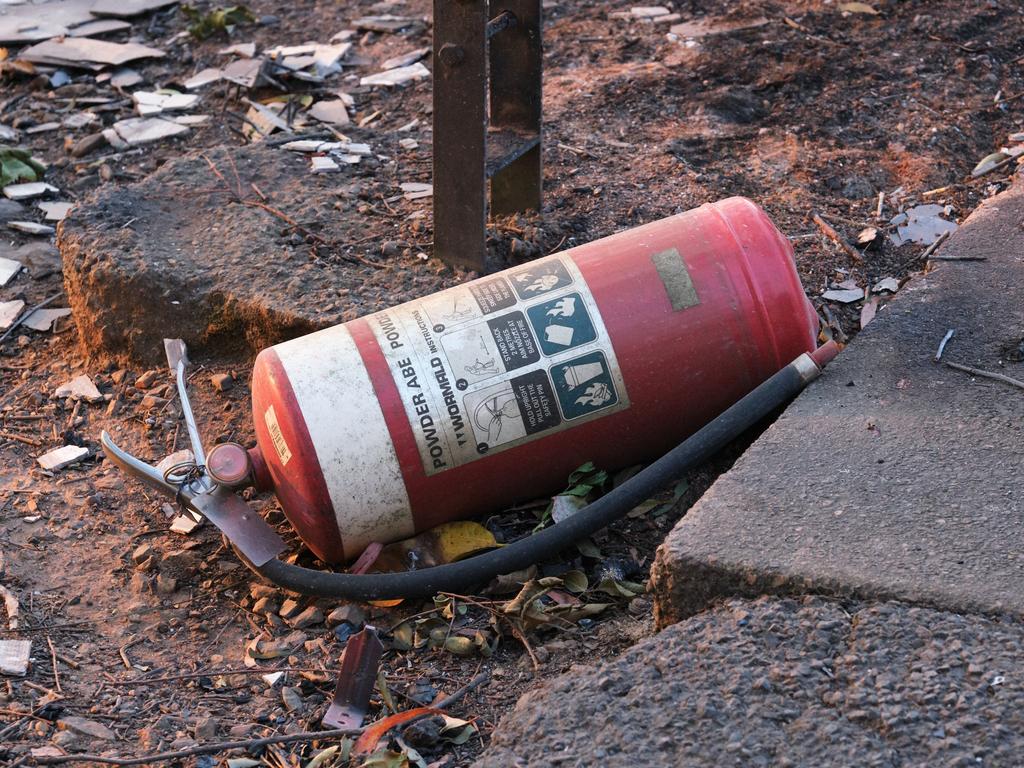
[184, 253]
[891, 476]
[786, 682]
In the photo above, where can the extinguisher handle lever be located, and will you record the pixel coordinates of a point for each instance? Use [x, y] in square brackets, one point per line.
[243, 526]
[137, 468]
[177, 360]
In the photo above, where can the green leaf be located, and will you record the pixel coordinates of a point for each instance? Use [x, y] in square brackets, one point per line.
[219, 20]
[588, 548]
[402, 636]
[575, 581]
[616, 588]
[581, 472]
[460, 646]
[643, 508]
[18, 165]
[456, 731]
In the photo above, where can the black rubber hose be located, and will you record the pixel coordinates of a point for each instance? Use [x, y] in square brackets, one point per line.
[477, 571]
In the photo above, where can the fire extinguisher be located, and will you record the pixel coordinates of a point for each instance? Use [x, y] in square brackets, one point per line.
[485, 394]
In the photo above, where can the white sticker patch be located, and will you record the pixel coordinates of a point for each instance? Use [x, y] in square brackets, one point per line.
[276, 437]
[500, 361]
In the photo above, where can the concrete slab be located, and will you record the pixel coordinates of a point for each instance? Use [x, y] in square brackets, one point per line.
[785, 682]
[892, 476]
[185, 253]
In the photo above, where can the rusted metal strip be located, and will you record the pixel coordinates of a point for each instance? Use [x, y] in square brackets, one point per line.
[515, 96]
[356, 679]
[460, 131]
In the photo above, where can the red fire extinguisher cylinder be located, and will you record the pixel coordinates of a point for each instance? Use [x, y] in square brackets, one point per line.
[492, 392]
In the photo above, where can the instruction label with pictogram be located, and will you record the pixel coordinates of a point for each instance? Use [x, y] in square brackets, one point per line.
[500, 361]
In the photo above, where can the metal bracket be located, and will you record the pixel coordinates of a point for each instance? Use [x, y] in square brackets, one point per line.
[484, 128]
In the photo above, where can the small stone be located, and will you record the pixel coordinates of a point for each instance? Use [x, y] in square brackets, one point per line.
[289, 608]
[109, 482]
[265, 605]
[206, 729]
[62, 457]
[291, 698]
[640, 606]
[139, 583]
[425, 733]
[146, 380]
[346, 614]
[88, 144]
[80, 387]
[84, 727]
[222, 381]
[180, 563]
[142, 553]
[344, 631]
[240, 731]
[256, 591]
[166, 585]
[307, 618]
[67, 740]
[149, 402]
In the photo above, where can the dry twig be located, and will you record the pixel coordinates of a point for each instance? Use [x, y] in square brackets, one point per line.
[986, 374]
[212, 673]
[934, 246]
[28, 314]
[942, 344]
[53, 658]
[829, 231]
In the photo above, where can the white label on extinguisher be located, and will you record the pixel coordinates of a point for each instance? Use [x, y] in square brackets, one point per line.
[283, 452]
[500, 361]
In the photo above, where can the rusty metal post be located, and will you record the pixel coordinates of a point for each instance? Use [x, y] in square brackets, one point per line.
[515, 80]
[460, 131]
[470, 37]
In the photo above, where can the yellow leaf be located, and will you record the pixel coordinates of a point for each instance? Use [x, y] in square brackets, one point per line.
[444, 544]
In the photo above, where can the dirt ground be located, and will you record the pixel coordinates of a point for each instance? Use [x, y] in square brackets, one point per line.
[815, 109]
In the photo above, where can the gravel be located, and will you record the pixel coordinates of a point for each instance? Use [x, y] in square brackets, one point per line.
[786, 682]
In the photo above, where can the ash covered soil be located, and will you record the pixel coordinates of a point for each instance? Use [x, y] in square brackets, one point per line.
[812, 110]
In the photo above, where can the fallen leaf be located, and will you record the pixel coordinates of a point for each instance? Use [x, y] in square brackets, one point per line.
[386, 758]
[456, 731]
[620, 588]
[370, 738]
[460, 646]
[575, 581]
[218, 20]
[988, 163]
[867, 236]
[858, 8]
[867, 312]
[18, 165]
[323, 756]
[447, 543]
